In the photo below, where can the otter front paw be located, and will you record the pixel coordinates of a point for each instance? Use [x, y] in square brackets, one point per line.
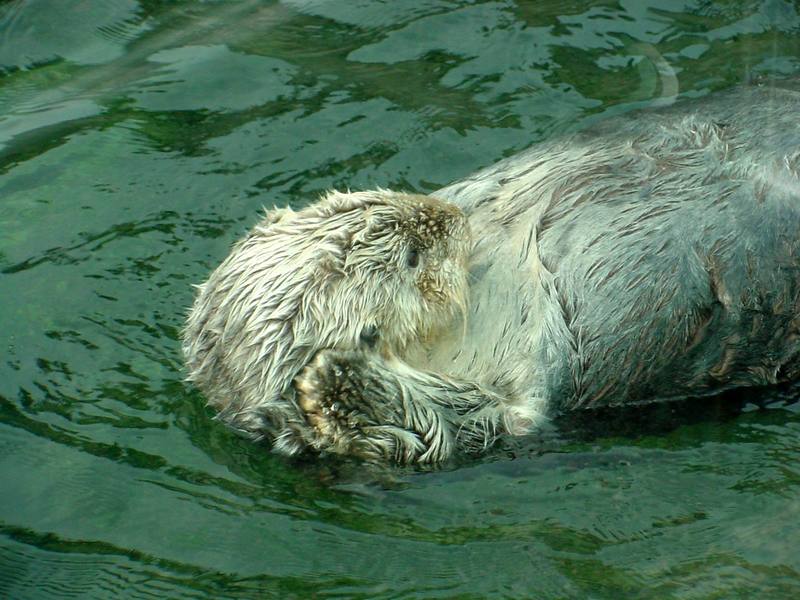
[327, 393]
[351, 411]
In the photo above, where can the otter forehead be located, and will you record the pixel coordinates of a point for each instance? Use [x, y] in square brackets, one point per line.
[430, 220]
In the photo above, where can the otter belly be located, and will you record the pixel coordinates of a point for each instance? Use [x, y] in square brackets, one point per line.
[680, 299]
[652, 257]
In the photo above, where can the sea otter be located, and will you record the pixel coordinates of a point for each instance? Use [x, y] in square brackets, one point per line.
[651, 257]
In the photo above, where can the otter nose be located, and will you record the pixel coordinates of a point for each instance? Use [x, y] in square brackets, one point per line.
[369, 336]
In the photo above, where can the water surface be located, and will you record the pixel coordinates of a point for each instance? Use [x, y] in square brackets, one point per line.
[139, 139]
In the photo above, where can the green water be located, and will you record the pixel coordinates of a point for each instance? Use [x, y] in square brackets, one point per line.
[138, 139]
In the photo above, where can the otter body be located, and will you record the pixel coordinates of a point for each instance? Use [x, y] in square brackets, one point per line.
[652, 257]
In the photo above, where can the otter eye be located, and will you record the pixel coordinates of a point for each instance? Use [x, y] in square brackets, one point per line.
[412, 258]
[369, 336]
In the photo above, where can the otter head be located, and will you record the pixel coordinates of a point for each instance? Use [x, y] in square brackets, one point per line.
[375, 268]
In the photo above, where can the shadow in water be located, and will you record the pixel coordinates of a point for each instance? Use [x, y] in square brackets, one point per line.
[664, 417]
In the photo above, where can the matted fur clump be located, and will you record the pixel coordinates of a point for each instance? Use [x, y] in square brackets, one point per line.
[376, 269]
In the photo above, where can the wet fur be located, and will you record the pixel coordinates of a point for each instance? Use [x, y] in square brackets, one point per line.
[652, 257]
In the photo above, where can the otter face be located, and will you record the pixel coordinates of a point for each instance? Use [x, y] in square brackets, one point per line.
[401, 274]
[378, 268]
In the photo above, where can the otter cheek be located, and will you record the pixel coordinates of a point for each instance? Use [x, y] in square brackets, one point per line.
[454, 279]
[460, 240]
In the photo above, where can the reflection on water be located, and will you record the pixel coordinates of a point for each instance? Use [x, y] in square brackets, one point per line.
[138, 139]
